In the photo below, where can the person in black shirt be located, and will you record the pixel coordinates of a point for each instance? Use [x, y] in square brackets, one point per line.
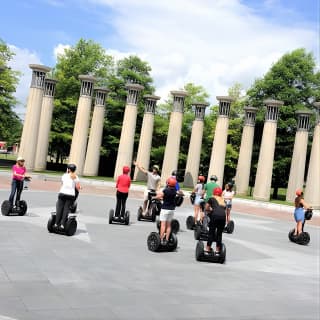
[168, 196]
[217, 213]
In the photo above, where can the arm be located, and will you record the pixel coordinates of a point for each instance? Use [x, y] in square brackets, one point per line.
[305, 205]
[140, 168]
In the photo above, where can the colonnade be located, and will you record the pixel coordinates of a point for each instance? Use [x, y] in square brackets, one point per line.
[85, 147]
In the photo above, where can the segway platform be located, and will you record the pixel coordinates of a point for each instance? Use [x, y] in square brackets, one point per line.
[70, 227]
[19, 210]
[119, 219]
[202, 255]
[154, 242]
[304, 237]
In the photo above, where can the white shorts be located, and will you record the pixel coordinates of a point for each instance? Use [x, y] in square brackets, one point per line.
[166, 215]
[145, 194]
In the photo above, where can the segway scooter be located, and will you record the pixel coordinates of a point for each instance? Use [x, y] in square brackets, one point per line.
[229, 227]
[153, 208]
[190, 219]
[119, 219]
[303, 238]
[155, 245]
[19, 208]
[70, 227]
[202, 255]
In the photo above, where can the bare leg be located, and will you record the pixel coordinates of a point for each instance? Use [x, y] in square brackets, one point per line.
[299, 227]
[168, 229]
[162, 229]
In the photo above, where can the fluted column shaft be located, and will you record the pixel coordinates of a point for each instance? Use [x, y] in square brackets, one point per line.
[245, 154]
[81, 127]
[45, 125]
[263, 179]
[194, 153]
[298, 162]
[171, 154]
[145, 142]
[219, 145]
[312, 190]
[125, 150]
[91, 165]
[30, 130]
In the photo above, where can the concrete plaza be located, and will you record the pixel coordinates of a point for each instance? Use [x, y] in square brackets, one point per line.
[106, 271]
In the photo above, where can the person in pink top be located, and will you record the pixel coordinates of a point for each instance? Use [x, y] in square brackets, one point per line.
[123, 185]
[18, 175]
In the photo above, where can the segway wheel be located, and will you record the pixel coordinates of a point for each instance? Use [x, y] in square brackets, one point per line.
[199, 250]
[153, 241]
[173, 242]
[190, 223]
[139, 214]
[153, 211]
[111, 213]
[303, 238]
[5, 207]
[197, 232]
[175, 226]
[71, 227]
[127, 218]
[291, 235]
[223, 254]
[73, 207]
[230, 227]
[23, 208]
[51, 223]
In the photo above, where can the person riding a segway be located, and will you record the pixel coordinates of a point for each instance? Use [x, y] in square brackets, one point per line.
[17, 206]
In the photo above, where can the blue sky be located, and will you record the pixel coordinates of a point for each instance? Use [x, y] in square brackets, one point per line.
[213, 43]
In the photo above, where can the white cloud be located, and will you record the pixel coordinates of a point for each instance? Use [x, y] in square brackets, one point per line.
[59, 50]
[211, 43]
[20, 62]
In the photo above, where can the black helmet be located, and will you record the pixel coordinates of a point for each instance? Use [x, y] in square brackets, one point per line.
[72, 167]
[230, 184]
[214, 178]
[174, 173]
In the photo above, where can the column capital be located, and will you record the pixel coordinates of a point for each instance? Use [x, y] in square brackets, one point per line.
[272, 109]
[178, 100]
[38, 75]
[224, 105]
[133, 90]
[303, 120]
[250, 116]
[100, 98]
[87, 82]
[49, 87]
[199, 109]
[150, 103]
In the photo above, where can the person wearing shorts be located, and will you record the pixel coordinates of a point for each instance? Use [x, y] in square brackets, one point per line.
[168, 195]
[300, 205]
[199, 192]
[227, 196]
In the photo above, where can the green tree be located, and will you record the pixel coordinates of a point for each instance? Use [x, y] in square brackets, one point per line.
[293, 80]
[86, 57]
[10, 124]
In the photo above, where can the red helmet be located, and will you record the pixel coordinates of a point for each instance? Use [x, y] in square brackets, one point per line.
[125, 169]
[217, 191]
[171, 182]
[299, 192]
[201, 178]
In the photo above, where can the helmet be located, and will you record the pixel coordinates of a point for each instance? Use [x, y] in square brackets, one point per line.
[230, 184]
[201, 178]
[217, 191]
[214, 178]
[125, 169]
[174, 173]
[20, 159]
[299, 192]
[156, 167]
[171, 182]
[72, 167]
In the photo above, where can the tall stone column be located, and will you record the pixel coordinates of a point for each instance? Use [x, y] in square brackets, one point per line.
[91, 165]
[245, 154]
[298, 161]
[171, 153]
[219, 146]
[312, 190]
[125, 150]
[263, 180]
[143, 156]
[45, 125]
[81, 126]
[30, 130]
[194, 153]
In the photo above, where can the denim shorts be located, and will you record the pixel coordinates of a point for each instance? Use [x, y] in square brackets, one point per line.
[299, 214]
[198, 200]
